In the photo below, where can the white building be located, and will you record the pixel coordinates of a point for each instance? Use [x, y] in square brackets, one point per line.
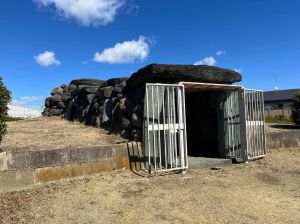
[23, 111]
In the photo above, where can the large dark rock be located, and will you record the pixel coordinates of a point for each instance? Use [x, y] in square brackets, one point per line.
[55, 98]
[107, 112]
[138, 109]
[54, 112]
[89, 82]
[134, 96]
[136, 135]
[72, 111]
[117, 110]
[61, 105]
[66, 97]
[89, 98]
[90, 89]
[63, 86]
[118, 89]
[85, 90]
[115, 81]
[53, 101]
[47, 102]
[57, 91]
[105, 92]
[45, 112]
[136, 120]
[119, 96]
[175, 73]
[125, 124]
[71, 88]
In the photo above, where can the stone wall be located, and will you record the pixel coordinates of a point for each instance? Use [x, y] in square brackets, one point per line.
[101, 104]
[117, 104]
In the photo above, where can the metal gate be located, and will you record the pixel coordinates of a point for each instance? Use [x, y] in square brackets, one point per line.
[165, 127]
[255, 125]
[244, 125]
[234, 142]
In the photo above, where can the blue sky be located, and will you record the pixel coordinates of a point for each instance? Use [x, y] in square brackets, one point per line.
[45, 43]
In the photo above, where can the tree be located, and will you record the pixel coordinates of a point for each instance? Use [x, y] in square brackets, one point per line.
[4, 100]
[295, 108]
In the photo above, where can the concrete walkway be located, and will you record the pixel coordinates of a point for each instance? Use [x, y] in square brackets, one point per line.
[203, 162]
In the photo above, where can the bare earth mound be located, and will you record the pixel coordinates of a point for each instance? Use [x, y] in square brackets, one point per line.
[53, 133]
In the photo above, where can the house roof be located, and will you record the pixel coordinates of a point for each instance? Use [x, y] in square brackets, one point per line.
[276, 95]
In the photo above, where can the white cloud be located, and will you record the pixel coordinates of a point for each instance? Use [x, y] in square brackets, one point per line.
[126, 52]
[29, 101]
[47, 58]
[220, 52]
[86, 12]
[207, 61]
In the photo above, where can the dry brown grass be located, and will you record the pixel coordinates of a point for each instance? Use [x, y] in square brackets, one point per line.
[264, 191]
[53, 133]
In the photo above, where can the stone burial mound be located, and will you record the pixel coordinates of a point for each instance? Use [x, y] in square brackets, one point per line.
[83, 89]
[117, 104]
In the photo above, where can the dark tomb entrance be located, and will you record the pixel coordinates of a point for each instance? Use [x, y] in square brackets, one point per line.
[202, 122]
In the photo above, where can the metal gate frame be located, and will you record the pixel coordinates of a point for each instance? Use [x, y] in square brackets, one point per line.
[166, 104]
[234, 122]
[255, 124]
[252, 125]
[249, 142]
[165, 138]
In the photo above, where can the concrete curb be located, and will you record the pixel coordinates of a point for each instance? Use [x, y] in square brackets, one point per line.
[285, 139]
[3, 161]
[27, 160]
[24, 160]
[22, 168]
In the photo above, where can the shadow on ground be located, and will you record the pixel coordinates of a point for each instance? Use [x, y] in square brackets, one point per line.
[285, 126]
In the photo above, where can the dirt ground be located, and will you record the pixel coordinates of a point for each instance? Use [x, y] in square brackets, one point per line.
[53, 133]
[263, 191]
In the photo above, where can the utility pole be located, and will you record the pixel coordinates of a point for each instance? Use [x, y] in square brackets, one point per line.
[275, 82]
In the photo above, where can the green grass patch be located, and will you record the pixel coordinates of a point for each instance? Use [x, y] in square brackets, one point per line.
[279, 119]
[9, 119]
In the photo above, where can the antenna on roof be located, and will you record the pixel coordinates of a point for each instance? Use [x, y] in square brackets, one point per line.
[275, 82]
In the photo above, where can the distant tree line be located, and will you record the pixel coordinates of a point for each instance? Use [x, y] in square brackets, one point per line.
[295, 108]
[5, 98]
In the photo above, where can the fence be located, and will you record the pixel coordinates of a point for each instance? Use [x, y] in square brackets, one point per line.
[285, 112]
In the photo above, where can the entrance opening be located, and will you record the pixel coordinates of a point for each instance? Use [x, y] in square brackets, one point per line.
[207, 119]
[202, 123]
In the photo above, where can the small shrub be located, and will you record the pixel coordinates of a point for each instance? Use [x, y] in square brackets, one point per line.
[295, 108]
[4, 100]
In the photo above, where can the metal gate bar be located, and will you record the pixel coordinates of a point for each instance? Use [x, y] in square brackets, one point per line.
[165, 127]
[255, 125]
